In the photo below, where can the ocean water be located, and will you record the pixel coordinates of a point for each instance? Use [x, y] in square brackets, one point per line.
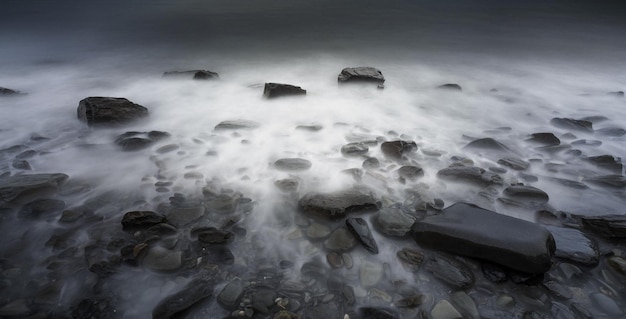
[519, 65]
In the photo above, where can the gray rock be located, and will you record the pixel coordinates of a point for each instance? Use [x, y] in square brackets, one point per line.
[310, 127]
[487, 144]
[370, 273]
[611, 181]
[137, 220]
[493, 272]
[529, 196]
[544, 139]
[450, 271]
[21, 165]
[450, 87]
[231, 294]
[410, 172]
[606, 305]
[340, 240]
[192, 74]
[354, 149]
[134, 141]
[377, 313]
[292, 164]
[611, 131]
[445, 310]
[109, 111]
[287, 184]
[411, 259]
[469, 230]
[361, 231]
[572, 124]
[191, 294]
[465, 304]
[371, 163]
[514, 163]
[9, 92]
[317, 231]
[41, 208]
[558, 290]
[607, 162]
[161, 259]
[618, 264]
[13, 186]
[473, 175]
[337, 204]
[182, 216]
[609, 226]
[393, 221]
[585, 142]
[274, 90]
[361, 74]
[397, 149]
[237, 125]
[214, 236]
[573, 246]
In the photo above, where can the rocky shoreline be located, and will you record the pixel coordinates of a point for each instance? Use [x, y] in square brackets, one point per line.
[366, 251]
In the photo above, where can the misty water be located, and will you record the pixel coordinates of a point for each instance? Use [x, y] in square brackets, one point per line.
[519, 66]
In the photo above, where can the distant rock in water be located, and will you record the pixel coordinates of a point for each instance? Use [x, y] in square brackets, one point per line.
[450, 87]
[274, 90]
[109, 111]
[611, 131]
[616, 94]
[192, 74]
[337, 204]
[134, 141]
[362, 74]
[471, 231]
[544, 139]
[237, 125]
[9, 92]
[572, 124]
[292, 164]
[396, 149]
[13, 186]
[488, 144]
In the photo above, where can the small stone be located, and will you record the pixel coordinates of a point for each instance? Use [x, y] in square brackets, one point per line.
[371, 163]
[411, 259]
[393, 221]
[465, 304]
[292, 164]
[137, 220]
[161, 259]
[231, 294]
[334, 260]
[317, 231]
[618, 264]
[450, 271]
[445, 310]
[370, 273]
[410, 302]
[514, 163]
[340, 240]
[354, 149]
[410, 173]
[571, 124]
[505, 301]
[237, 125]
[558, 290]
[360, 230]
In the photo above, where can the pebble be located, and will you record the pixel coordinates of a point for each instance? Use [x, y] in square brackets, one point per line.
[445, 310]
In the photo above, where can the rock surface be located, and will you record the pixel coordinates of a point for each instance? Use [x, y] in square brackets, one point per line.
[609, 226]
[337, 204]
[471, 231]
[8, 92]
[13, 186]
[236, 125]
[361, 74]
[292, 164]
[192, 74]
[450, 87]
[572, 124]
[361, 231]
[109, 111]
[573, 246]
[191, 294]
[274, 90]
[474, 175]
[397, 149]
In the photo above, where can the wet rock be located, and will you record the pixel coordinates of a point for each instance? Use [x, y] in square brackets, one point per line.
[487, 144]
[285, 314]
[214, 236]
[450, 87]
[100, 262]
[354, 149]
[15, 308]
[377, 313]
[611, 131]
[13, 186]
[529, 196]
[411, 259]
[409, 172]
[274, 90]
[194, 292]
[567, 182]
[103, 308]
[161, 259]
[370, 273]
[558, 290]
[465, 304]
[469, 230]
[393, 221]
[410, 301]
[40, 208]
[361, 231]
[134, 141]
[361, 74]
[585, 142]
[310, 127]
[616, 94]
[612, 181]
[544, 139]
[21, 164]
[138, 220]
[450, 271]
[397, 149]
[182, 216]
[514, 163]
[573, 246]
[231, 294]
[337, 204]
[334, 260]
[236, 125]
[607, 162]
[572, 124]
[473, 175]
[493, 272]
[618, 264]
[445, 310]
[9, 92]
[292, 164]
[109, 111]
[192, 74]
[340, 240]
[317, 231]
[167, 148]
[609, 226]
[606, 305]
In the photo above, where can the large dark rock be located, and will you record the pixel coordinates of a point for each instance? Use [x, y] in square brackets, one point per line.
[192, 74]
[109, 111]
[471, 174]
[13, 186]
[609, 226]
[397, 149]
[544, 139]
[337, 204]
[358, 227]
[361, 74]
[273, 90]
[292, 164]
[471, 231]
[572, 124]
[9, 92]
[607, 162]
[573, 246]
[194, 292]
[137, 220]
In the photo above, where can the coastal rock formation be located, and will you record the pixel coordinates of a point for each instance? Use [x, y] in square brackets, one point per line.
[109, 111]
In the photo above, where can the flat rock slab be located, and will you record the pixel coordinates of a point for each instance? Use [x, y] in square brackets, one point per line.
[574, 246]
[572, 124]
[609, 226]
[292, 164]
[274, 90]
[109, 111]
[471, 231]
[337, 204]
[361, 74]
[13, 186]
[471, 174]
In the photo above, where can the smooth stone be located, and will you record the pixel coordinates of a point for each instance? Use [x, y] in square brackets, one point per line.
[137, 220]
[371, 163]
[473, 175]
[450, 87]
[377, 313]
[370, 273]
[21, 165]
[194, 292]
[192, 74]
[573, 246]
[338, 204]
[393, 221]
[182, 216]
[505, 301]
[287, 185]
[292, 164]
[410, 172]
[465, 304]
[12, 187]
[611, 131]
[109, 111]
[167, 148]
[285, 314]
[606, 305]
[544, 139]
[334, 260]
[611, 181]
[487, 144]
[274, 90]
[361, 74]
[528, 195]
[8, 92]
[397, 149]
[410, 301]
[340, 240]
[361, 231]
[618, 264]
[411, 259]
[445, 310]
[558, 290]
[231, 294]
[607, 162]
[567, 182]
[585, 142]
[572, 124]
[41, 208]
[354, 149]
[161, 259]
[310, 127]
[134, 141]
[471, 231]
[236, 125]
[317, 231]
[609, 226]
[514, 163]
[450, 271]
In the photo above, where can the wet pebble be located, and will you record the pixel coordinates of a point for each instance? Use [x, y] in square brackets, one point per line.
[370, 273]
[450, 271]
[393, 221]
[340, 240]
[445, 310]
[292, 164]
[354, 149]
[161, 259]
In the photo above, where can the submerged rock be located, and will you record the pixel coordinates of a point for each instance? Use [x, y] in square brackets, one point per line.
[572, 124]
[354, 149]
[528, 195]
[572, 245]
[134, 141]
[360, 230]
[474, 175]
[393, 221]
[231, 294]
[450, 86]
[613, 181]
[609, 226]
[109, 111]
[340, 240]
[544, 139]
[8, 92]
[192, 293]
[514, 163]
[361, 74]
[611, 131]
[337, 204]
[487, 144]
[41, 207]
[12, 187]
[471, 231]
[274, 90]
[292, 164]
[607, 162]
[237, 125]
[397, 149]
[192, 74]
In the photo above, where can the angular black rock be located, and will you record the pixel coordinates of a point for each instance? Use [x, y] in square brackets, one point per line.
[396, 149]
[292, 164]
[358, 227]
[544, 139]
[474, 175]
[192, 74]
[337, 204]
[450, 86]
[471, 231]
[274, 90]
[109, 111]
[13, 186]
[450, 271]
[609, 226]
[194, 292]
[361, 74]
[573, 246]
[572, 124]
[137, 220]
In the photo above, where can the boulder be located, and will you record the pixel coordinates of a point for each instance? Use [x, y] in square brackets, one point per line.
[192, 74]
[109, 111]
[361, 74]
[572, 124]
[397, 149]
[468, 230]
[337, 204]
[450, 87]
[12, 187]
[471, 174]
[274, 90]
